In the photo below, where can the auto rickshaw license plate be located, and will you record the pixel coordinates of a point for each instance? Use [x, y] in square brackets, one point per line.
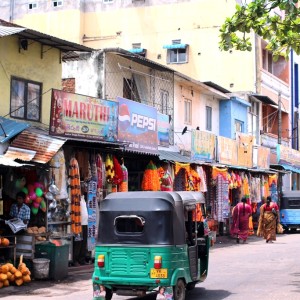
[159, 273]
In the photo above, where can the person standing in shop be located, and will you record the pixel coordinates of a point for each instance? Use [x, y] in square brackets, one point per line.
[80, 247]
[268, 218]
[240, 220]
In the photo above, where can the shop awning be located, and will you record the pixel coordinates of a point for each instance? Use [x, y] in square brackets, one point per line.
[10, 128]
[288, 168]
[20, 153]
[137, 50]
[264, 99]
[35, 141]
[175, 46]
[173, 156]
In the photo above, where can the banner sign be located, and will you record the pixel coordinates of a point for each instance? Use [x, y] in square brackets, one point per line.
[92, 214]
[203, 146]
[263, 157]
[288, 157]
[83, 117]
[163, 129]
[245, 149]
[227, 151]
[137, 125]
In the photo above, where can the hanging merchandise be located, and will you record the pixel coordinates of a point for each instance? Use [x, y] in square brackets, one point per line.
[222, 206]
[150, 180]
[92, 214]
[75, 197]
[124, 183]
[181, 180]
[179, 166]
[165, 178]
[255, 189]
[99, 166]
[203, 180]
[58, 165]
[118, 173]
[194, 178]
[109, 168]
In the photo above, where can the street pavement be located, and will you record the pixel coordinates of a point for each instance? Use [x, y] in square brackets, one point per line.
[78, 284]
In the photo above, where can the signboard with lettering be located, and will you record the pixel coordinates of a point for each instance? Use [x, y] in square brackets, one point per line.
[227, 151]
[137, 126]
[288, 157]
[263, 157]
[203, 146]
[83, 117]
[163, 129]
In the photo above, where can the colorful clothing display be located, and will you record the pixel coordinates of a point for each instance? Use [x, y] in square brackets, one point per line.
[75, 196]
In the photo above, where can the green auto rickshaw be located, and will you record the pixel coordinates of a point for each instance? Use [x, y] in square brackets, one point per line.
[148, 240]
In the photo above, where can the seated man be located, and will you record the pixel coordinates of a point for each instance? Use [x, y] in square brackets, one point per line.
[20, 210]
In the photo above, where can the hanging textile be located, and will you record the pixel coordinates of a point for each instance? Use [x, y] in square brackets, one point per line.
[165, 178]
[124, 183]
[59, 172]
[118, 173]
[222, 207]
[99, 167]
[75, 196]
[109, 168]
[179, 166]
[203, 179]
[150, 180]
[181, 180]
[219, 171]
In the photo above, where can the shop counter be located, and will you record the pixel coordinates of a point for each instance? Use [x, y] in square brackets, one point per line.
[26, 244]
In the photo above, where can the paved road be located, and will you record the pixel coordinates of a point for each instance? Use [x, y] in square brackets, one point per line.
[256, 270]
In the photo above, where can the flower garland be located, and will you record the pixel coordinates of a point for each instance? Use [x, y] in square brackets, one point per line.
[124, 184]
[150, 180]
[109, 168]
[118, 173]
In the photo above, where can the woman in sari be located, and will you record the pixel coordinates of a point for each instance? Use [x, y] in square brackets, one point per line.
[267, 224]
[240, 220]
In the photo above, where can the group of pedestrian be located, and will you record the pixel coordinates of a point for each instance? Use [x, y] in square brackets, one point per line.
[267, 223]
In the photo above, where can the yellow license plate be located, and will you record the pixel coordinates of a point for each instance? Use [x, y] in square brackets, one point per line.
[159, 273]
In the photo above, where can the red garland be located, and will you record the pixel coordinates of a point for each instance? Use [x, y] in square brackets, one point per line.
[118, 178]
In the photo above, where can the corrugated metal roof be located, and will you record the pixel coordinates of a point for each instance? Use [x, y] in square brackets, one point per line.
[44, 145]
[19, 153]
[44, 39]
[173, 156]
[10, 128]
[4, 30]
[10, 163]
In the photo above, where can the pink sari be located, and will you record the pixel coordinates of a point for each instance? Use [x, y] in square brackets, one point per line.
[240, 221]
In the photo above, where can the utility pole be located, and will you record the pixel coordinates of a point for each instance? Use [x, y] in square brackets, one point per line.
[279, 119]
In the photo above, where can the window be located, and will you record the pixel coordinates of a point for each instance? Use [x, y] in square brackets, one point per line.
[279, 68]
[187, 111]
[32, 5]
[129, 224]
[164, 98]
[177, 52]
[25, 101]
[57, 3]
[208, 125]
[108, 1]
[238, 126]
[253, 121]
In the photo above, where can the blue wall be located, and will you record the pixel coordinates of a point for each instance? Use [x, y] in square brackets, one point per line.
[231, 110]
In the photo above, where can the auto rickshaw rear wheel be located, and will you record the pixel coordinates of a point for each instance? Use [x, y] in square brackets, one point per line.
[108, 294]
[179, 290]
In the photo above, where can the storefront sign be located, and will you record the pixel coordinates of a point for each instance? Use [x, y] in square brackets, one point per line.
[227, 151]
[245, 149]
[163, 129]
[137, 126]
[203, 146]
[288, 157]
[263, 157]
[83, 117]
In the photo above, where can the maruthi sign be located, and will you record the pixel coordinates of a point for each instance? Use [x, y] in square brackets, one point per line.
[137, 126]
[83, 117]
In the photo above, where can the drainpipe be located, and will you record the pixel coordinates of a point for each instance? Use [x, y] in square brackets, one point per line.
[11, 11]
